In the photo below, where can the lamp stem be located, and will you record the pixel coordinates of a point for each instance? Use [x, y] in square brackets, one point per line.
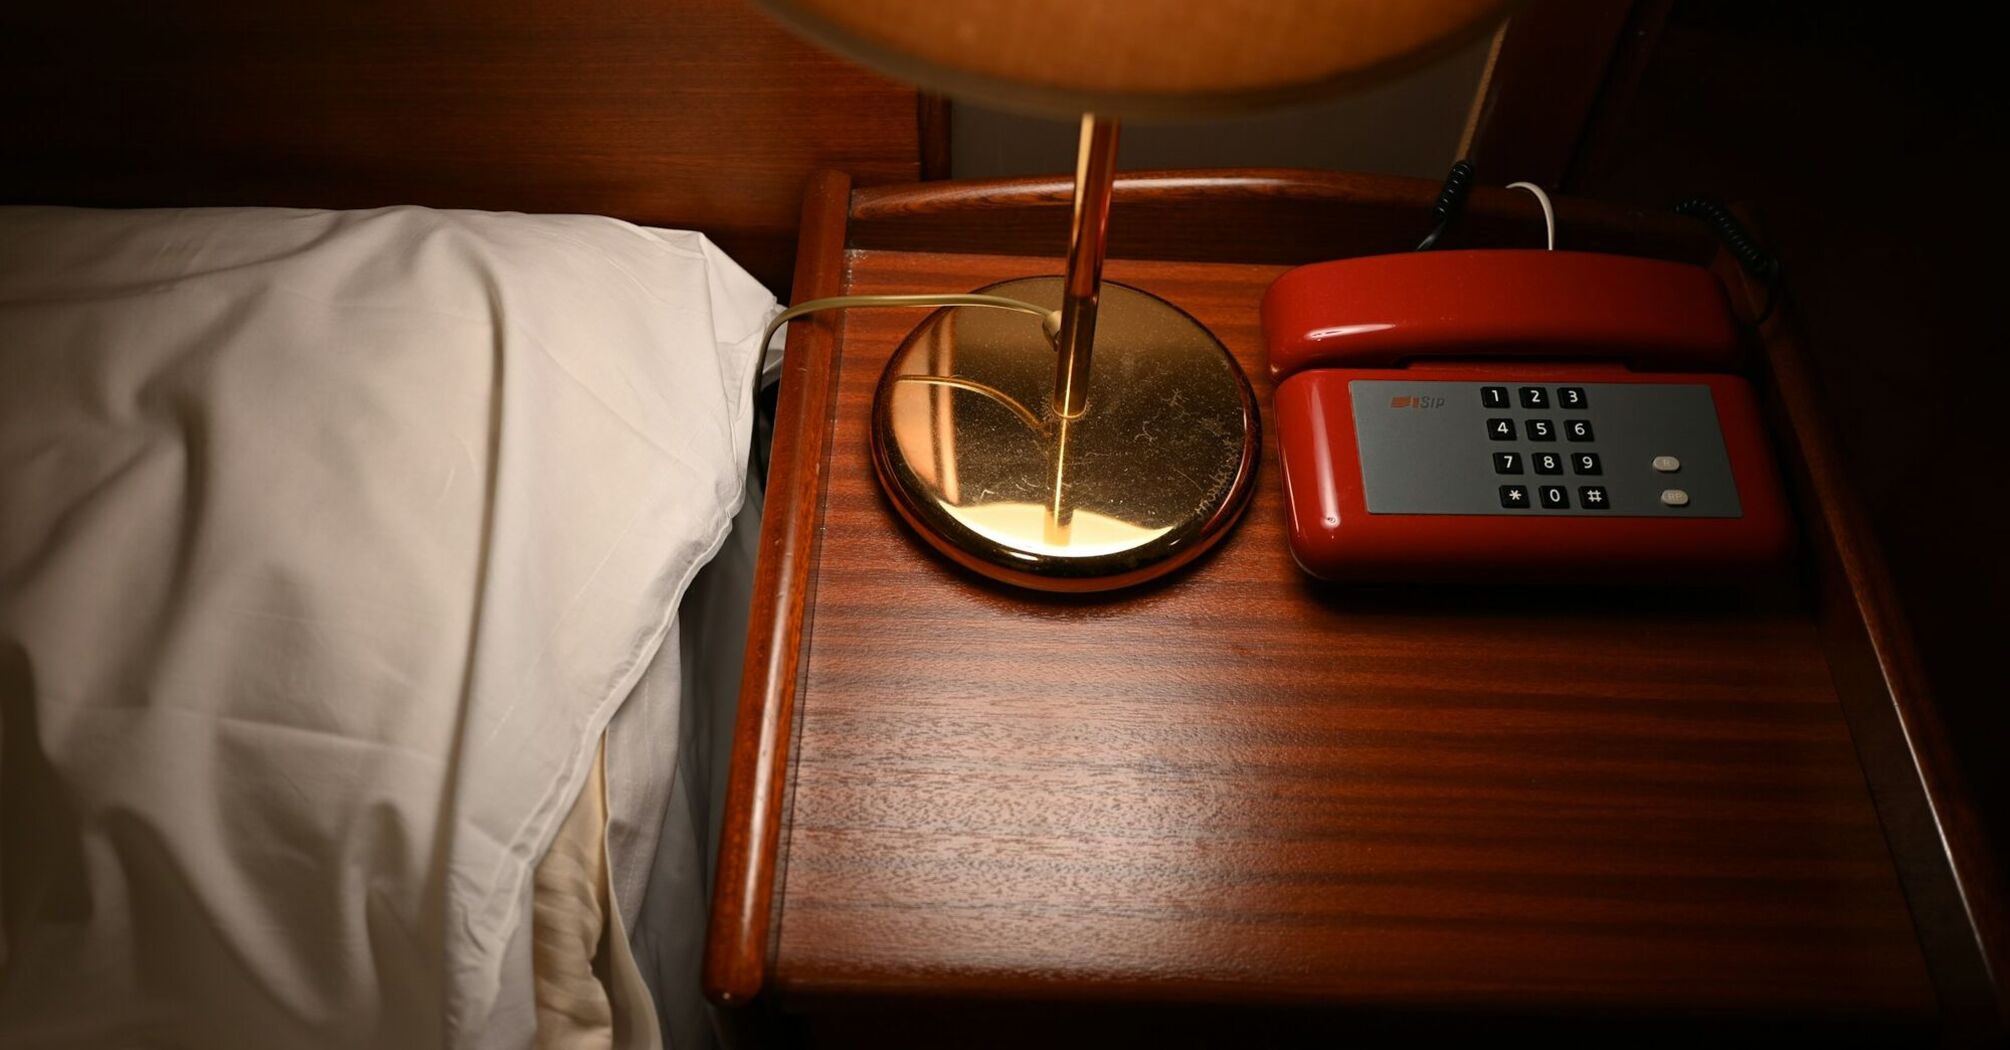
[1095, 172]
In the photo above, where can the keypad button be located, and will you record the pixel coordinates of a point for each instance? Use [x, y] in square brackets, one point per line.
[1500, 429]
[1541, 430]
[1674, 497]
[1570, 396]
[1554, 497]
[1585, 463]
[1534, 397]
[1593, 497]
[1514, 497]
[1507, 462]
[1546, 462]
[1494, 396]
[1577, 429]
[1667, 464]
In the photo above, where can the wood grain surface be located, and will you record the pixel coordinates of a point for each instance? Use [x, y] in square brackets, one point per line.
[697, 114]
[1259, 215]
[1241, 786]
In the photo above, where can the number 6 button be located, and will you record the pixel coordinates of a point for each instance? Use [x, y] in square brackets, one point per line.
[1577, 429]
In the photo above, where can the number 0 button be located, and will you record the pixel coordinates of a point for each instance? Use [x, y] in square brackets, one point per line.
[1500, 429]
[1555, 497]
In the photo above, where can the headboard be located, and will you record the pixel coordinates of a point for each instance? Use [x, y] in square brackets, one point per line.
[699, 114]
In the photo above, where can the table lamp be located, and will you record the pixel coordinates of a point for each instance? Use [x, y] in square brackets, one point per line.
[1119, 439]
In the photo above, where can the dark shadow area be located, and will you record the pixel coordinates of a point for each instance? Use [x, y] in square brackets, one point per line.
[1869, 145]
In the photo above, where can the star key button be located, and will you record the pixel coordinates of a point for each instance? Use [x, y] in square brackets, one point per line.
[1514, 497]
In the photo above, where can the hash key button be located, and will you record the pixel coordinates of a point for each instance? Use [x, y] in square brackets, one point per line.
[1555, 497]
[1593, 497]
[1500, 429]
[1514, 497]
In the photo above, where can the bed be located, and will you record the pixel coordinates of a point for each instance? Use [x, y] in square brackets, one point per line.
[377, 517]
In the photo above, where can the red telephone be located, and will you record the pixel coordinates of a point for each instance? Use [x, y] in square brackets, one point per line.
[1518, 415]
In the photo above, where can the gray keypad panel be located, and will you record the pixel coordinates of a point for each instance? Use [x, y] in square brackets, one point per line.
[1437, 447]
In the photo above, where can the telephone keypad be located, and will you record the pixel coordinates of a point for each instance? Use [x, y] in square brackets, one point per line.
[1638, 435]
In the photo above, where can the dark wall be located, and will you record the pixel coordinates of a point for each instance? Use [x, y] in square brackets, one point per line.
[1870, 140]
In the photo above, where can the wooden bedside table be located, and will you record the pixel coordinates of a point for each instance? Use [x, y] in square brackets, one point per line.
[1243, 801]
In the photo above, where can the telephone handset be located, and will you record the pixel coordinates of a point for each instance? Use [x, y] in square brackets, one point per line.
[1518, 415]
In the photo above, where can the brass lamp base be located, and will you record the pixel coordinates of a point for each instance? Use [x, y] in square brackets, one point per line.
[970, 447]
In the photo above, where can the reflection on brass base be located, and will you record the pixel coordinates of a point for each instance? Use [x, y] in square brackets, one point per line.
[968, 444]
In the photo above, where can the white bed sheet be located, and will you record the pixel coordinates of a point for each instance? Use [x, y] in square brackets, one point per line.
[329, 545]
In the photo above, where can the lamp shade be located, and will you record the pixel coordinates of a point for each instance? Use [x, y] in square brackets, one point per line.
[1131, 58]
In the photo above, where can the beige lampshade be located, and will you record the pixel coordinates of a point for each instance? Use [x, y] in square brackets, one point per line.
[1131, 58]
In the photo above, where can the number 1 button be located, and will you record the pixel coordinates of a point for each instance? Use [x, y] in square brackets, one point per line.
[1494, 396]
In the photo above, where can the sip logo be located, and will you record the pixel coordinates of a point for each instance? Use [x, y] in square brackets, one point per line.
[1406, 401]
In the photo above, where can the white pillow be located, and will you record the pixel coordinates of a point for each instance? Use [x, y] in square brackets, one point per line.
[329, 543]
